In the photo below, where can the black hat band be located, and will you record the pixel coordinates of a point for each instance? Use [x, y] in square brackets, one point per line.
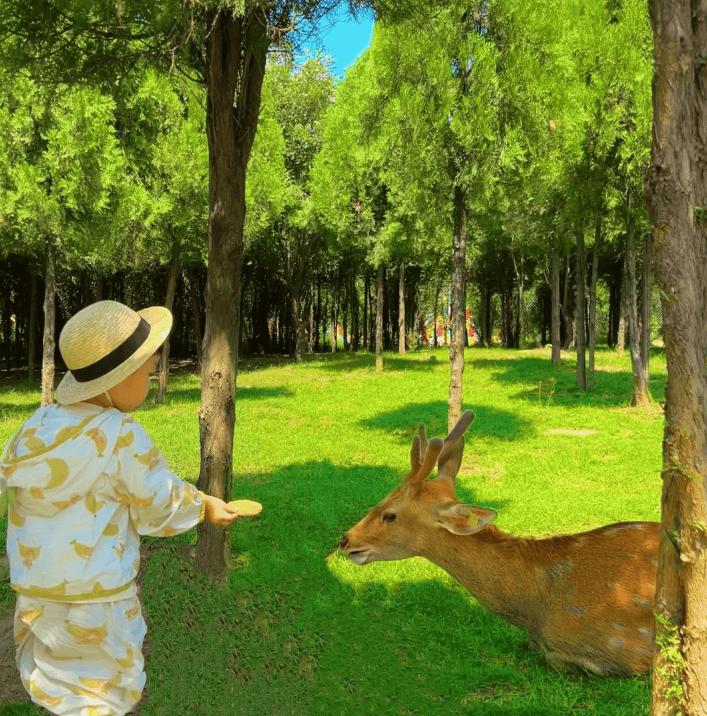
[116, 357]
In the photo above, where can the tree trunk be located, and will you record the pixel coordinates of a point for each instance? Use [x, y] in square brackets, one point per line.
[196, 315]
[676, 195]
[379, 318]
[579, 310]
[401, 310]
[98, 290]
[456, 344]
[646, 297]
[640, 396]
[623, 309]
[169, 304]
[366, 282]
[32, 349]
[593, 303]
[565, 309]
[555, 290]
[49, 340]
[236, 48]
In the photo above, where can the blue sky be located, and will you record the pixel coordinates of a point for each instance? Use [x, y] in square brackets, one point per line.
[343, 40]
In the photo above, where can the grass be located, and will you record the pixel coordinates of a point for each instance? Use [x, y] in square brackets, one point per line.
[319, 444]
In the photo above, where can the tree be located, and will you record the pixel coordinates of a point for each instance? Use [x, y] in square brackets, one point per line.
[63, 183]
[676, 193]
[224, 46]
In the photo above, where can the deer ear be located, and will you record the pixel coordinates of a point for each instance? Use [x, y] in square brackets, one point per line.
[464, 519]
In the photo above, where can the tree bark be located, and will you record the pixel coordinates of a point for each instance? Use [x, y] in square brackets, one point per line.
[456, 344]
[169, 304]
[379, 318]
[401, 309]
[676, 196]
[49, 339]
[555, 290]
[234, 67]
[579, 310]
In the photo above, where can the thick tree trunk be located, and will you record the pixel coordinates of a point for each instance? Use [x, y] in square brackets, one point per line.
[49, 339]
[32, 349]
[234, 67]
[579, 310]
[401, 309]
[456, 344]
[593, 303]
[379, 318]
[676, 195]
[555, 290]
[169, 304]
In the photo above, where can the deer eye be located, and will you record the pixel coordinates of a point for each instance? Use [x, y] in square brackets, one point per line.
[389, 517]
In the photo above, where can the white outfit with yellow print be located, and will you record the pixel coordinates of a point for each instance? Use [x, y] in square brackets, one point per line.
[86, 483]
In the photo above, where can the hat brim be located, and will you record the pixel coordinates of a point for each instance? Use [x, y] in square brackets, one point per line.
[71, 391]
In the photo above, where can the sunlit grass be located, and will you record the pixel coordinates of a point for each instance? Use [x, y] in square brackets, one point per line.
[319, 444]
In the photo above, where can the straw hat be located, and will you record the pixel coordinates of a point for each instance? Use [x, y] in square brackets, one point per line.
[104, 343]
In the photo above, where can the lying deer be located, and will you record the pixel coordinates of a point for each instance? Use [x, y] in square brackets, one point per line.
[586, 599]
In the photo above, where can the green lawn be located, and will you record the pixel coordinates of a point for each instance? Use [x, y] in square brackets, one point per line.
[319, 444]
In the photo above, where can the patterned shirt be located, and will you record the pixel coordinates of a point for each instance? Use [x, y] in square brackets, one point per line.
[86, 483]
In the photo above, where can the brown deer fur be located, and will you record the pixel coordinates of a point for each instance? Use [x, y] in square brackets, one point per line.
[586, 599]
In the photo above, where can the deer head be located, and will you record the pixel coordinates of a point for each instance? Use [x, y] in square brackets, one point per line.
[414, 513]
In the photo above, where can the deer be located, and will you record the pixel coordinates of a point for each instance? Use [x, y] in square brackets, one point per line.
[586, 600]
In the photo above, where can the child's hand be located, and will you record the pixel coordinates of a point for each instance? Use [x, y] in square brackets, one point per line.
[218, 512]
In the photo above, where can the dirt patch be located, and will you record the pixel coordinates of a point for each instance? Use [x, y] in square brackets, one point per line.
[11, 689]
[567, 431]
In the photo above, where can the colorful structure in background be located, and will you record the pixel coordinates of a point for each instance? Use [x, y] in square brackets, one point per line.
[442, 327]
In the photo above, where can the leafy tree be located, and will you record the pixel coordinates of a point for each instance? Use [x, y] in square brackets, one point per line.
[62, 173]
[224, 46]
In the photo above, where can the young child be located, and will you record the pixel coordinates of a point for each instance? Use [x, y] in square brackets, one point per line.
[84, 480]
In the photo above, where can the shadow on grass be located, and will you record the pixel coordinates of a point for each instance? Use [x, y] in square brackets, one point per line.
[192, 396]
[489, 423]
[548, 384]
[392, 362]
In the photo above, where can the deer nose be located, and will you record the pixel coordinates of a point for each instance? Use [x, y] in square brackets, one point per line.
[343, 542]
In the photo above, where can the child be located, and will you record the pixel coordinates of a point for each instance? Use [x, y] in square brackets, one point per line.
[84, 480]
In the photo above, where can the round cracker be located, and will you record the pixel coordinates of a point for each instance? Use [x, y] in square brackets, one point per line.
[247, 508]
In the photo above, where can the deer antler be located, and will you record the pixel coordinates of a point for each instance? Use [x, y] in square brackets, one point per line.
[450, 458]
[424, 453]
[421, 470]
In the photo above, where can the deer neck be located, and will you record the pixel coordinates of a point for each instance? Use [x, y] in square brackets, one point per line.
[502, 571]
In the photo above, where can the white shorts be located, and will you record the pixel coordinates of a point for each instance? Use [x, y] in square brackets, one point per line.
[81, 659]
